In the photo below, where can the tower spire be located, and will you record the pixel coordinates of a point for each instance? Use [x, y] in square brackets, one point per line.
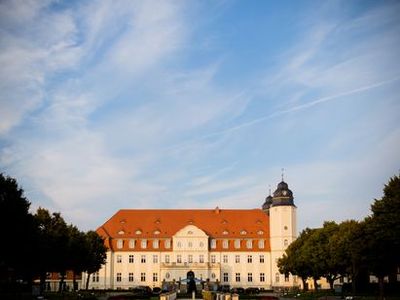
[283, 173]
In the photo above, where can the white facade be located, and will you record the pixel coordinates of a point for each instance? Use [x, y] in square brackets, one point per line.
[241, 247]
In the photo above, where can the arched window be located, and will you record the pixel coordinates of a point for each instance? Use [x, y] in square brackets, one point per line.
[285, 243]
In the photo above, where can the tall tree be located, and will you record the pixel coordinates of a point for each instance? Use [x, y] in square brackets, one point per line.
[383, 233]
[18, 230]
[96, 254]
[295, 259]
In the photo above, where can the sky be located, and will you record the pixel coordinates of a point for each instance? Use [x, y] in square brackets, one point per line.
[106, 105]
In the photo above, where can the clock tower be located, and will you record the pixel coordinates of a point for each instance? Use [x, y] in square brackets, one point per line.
[283, 228]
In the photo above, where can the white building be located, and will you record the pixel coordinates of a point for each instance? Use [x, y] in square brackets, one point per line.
[237, 247]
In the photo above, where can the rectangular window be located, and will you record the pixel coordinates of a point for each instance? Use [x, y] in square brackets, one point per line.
[95, 277]
[237, 259]
[262, 259]
[155, 277]
[155, 244]
[237, 277]
[225, 259]
[143, 259]
[225, 244]
[213, 259]
[143, 244]
[155, 259]
[131, 244]
[142, 277]
[190, 258]
[131, 259]
[167, 244]
[286, 277]
[130, 277]
[250, 277]
[262, 277]
[225, 277]
[249, 244]
[119, 258]
[179, 258]
[119, 277]
[261, 244]
[277, 277]
[237, 244]
[120, 244]
[249, 259]
[201, 258]
[167, 258]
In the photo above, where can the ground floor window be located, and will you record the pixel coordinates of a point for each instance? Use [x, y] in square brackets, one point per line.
[95, 277]
[286, 277]
[277, 277]
[155, 277]
[262, 277]
[225, 277]
[249, 277]
[119, 277]
[130, 277]
[237, 277]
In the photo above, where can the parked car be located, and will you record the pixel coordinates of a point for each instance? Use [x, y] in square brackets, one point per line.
[156, 291]
[225, 288]
[252, 290]
[142, 291]
[237, 290]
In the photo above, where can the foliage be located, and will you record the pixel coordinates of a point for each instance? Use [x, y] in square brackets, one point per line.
[45, 242]
[350, 247]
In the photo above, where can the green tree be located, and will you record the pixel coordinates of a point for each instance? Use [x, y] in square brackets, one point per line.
[96, 254]
[54, 241]
[296, 259]
[18, 231]
[383, 233]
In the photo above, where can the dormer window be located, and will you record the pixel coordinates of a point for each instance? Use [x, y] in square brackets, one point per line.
[156, 232]
[249, 244]
[237, 244]
[121, 232]
[260, 232]
[120, 244]
[138, 231]
[225, 232]
[243, 232]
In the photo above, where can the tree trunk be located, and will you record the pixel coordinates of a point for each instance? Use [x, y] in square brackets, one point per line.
[42, 282]
[331, 280]
[305, 285]
[73, 281]
[61, 284]
[87, 281]
[315, 284]
[381, 287]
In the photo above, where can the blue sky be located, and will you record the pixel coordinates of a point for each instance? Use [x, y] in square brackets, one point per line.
[196, 104]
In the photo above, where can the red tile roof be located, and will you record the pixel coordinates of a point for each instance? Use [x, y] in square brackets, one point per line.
[164, 223]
